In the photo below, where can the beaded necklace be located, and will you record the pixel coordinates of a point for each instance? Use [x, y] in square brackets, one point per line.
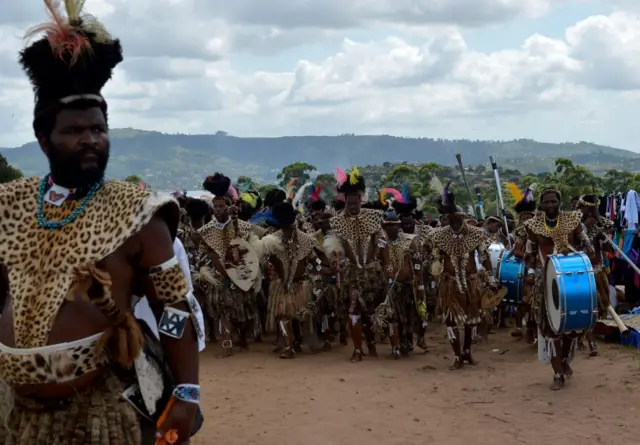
[550, 222]
[52, 225]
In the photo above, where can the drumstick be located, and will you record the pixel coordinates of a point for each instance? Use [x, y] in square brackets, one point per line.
[623, 255]
[621, 327]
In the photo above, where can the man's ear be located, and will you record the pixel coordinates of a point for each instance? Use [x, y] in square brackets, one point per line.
[44, 143]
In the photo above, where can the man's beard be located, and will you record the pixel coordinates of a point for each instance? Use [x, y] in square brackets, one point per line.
[67, 170]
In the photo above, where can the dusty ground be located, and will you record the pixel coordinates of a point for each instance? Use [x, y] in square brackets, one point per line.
[255, 398]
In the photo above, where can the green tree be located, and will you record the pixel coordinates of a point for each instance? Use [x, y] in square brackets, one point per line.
[328, 183]
[300, 170]
[399, 175]
[8, 173]
[135, 179]
[245, 183]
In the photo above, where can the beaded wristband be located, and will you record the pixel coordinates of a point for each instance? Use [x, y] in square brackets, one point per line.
[187, 393]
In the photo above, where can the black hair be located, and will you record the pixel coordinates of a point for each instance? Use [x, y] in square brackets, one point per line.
[197, 208]
[274, 196]
[284, 214]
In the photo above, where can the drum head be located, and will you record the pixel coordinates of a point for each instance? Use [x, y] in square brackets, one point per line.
[495, 250]
[552, 296]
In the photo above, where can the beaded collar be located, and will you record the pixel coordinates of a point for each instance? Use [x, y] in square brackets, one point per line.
[52, 225]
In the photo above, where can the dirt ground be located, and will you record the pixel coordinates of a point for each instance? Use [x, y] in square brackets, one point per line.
[256, 398]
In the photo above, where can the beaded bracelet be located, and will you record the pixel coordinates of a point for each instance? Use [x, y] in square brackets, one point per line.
[187, 393]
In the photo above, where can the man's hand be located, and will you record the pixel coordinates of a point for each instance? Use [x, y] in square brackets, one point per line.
[179, 419]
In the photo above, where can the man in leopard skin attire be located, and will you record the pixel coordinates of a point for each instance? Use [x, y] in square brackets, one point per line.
[75, 365]
[362, 287]
[550, 232]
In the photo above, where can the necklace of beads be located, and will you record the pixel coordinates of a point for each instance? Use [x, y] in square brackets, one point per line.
[555, 226]
[52, 225]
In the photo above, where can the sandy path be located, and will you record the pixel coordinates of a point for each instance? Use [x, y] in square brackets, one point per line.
[255, 398]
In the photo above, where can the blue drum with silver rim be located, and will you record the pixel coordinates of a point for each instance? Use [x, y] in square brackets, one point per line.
[510, 274]
[570, 293]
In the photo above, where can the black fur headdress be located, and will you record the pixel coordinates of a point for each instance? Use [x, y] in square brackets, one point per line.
[447, 202]
[70, 65]
[218, 184]
[318, 205]
[405, 208]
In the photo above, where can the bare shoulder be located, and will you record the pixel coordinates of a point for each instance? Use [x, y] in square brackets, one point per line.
[155, 242]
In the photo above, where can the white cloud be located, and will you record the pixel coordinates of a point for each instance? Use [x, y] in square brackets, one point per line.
[182, 70]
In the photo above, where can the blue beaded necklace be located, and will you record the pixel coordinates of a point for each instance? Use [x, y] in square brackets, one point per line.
[52, 225]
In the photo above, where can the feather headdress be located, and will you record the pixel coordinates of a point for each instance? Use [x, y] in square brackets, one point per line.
[447, 201]
[527, 203]
[397, 196]
[407, 204]
[250, 198]
[350, 183]
[290, 187]
[341, 177]
[515, 192]
[436, 185]
[72, 61]
[265, 216]
[297, 199]
[314, 192]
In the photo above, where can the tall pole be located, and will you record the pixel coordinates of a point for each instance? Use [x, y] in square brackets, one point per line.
[496, 174]
[464, 179]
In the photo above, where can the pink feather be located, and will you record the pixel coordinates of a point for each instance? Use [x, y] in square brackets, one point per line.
[234, 193]
[341, 176]
[316, 193]
[395, 193]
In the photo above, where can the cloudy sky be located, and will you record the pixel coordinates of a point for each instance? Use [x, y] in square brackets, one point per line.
[556, 70]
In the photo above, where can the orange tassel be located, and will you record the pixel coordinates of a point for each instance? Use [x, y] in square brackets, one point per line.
[171, 436]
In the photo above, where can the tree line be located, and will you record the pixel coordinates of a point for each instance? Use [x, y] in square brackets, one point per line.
[571, 179]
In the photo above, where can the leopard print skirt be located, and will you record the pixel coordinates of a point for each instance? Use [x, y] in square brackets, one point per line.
[458, 308]
[97, 415]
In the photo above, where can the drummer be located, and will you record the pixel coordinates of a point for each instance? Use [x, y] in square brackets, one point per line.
[552, 231]
[525, 209]
[493, 231]
[598, 228]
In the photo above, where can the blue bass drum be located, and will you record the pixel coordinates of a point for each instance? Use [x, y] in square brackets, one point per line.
[570, 293]
[510, 274]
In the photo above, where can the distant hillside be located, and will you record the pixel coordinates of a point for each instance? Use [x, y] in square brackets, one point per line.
[181, 161]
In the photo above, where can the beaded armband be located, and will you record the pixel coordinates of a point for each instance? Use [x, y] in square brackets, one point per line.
[187, 393]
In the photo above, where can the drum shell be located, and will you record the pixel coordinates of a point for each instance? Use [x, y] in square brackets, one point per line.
[495, 252]
[510, 274]
[573, 305]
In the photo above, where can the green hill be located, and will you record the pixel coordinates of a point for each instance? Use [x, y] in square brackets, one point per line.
[181, 161]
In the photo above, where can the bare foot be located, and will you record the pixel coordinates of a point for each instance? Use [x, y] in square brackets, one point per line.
[288, 353]
[558, 382]
[357, 356]
[457, 364]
